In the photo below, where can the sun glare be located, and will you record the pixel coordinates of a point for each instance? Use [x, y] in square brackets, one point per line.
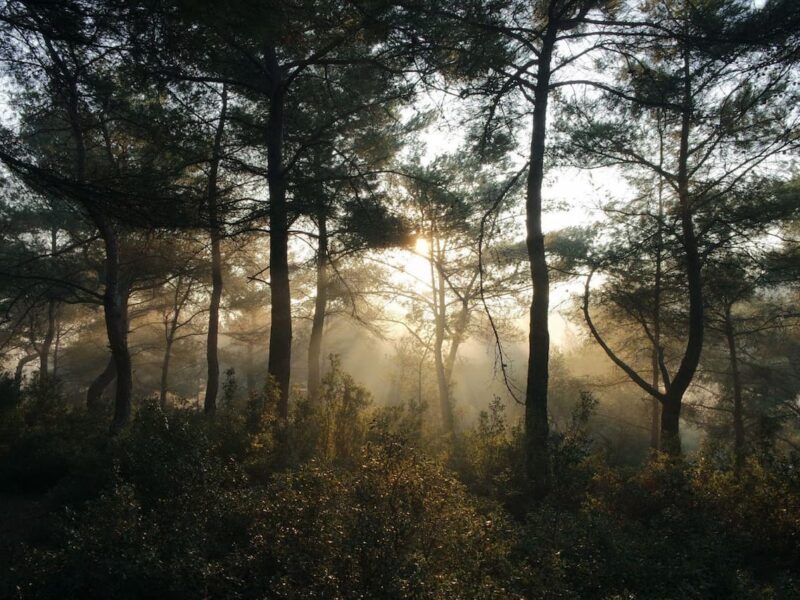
[421, 246]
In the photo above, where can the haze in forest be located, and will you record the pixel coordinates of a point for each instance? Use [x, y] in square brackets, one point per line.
[399, 299]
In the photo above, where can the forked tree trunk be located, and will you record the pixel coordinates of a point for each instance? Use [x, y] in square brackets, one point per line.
[116, 292]
[671, 405]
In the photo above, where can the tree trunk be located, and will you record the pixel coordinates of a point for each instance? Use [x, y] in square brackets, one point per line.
[670, 425]
[440, 321]
[47, 343]
[115, 295]
[212, 339]
[21, 366]
[320, 306]
[671, 407]
[94, 393]
[52, 305]
[115, 305]
[536, 424]
[162, 394]
[655, 404]
[280, 338]
[56, 350]
[655, 410]
[455, 343]
[738, 416]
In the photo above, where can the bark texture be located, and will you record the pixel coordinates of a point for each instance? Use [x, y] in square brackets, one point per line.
[536, 420]
[280, 337]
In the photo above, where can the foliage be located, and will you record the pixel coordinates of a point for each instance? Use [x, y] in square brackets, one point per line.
[179, 506]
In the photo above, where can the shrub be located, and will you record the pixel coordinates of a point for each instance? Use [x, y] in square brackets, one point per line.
[395, 526]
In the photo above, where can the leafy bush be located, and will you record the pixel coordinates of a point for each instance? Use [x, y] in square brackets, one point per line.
[489, 457]
[347, 501]
[394, 526]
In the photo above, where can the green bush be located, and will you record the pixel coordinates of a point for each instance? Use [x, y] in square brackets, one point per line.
[348, 501]
[394, 526]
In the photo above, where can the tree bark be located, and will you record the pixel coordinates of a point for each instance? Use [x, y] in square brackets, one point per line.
[655, 407]
[738, 406]
[94, 393]
[21, 366]
[670, 425]
[115, 294]
[56, 350]
[212, 339]
[440, 321]
[280, 338]
[320, 306]
[115, 304]
[455, 343]
[671, 406]
[47, 343]
[655, 403]
[536, 417]
[162, 394]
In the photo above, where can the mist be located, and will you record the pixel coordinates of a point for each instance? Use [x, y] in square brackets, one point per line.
[373, 299]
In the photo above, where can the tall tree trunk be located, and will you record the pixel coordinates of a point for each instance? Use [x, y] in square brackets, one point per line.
[459, 330]
[116, 292]
[655, 403]
[171, 326]
[115, 313]
[162, 393]
[440, 322]
[536, 423]
[738, 407]
[115, 306]
[280, 337]
[212, 339]
[47, 343]
[320, 306]
[671, 406]
[94, 393]
[56, 350]
[655, 406]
